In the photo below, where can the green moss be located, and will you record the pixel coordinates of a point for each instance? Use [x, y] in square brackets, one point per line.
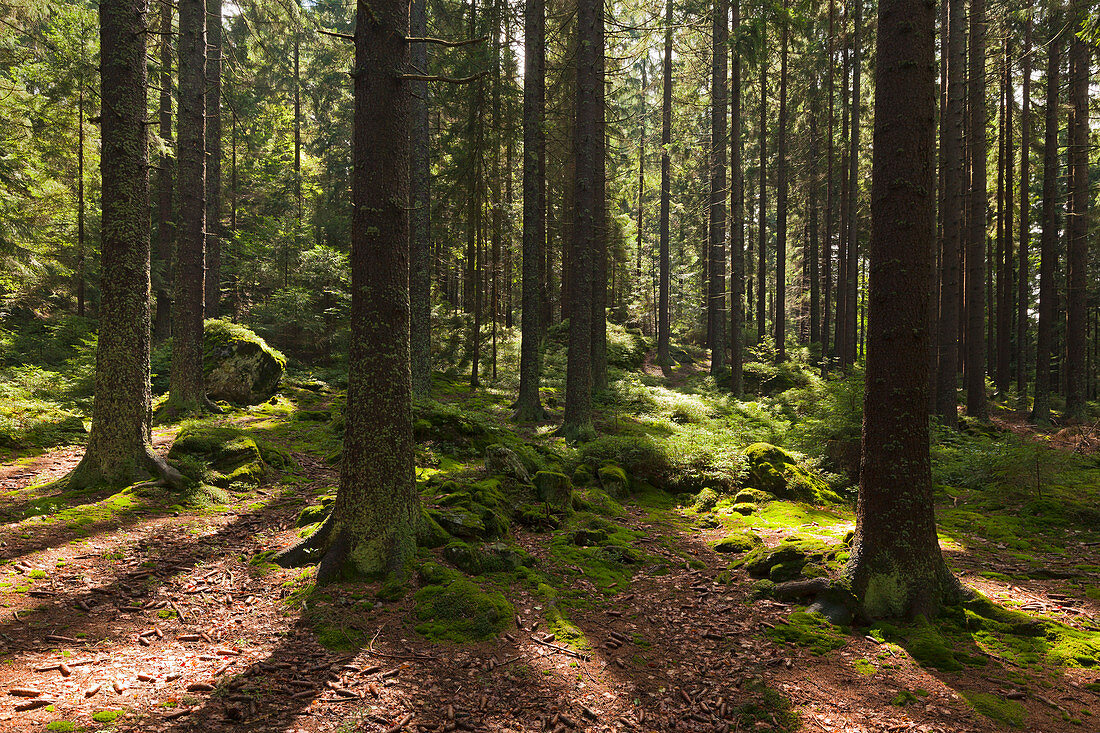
[461, 611]
[238, 365]
[904, 698]
[773, 470]
[553, 488]
[475, 511]
[166, 613]
[557, 620]
[1009, 712]
[597, 548]
[61, 726]
[791, 555]
[107, 716]
[597, 501]
[614, 480]
[705, 500]
[810, 630]
[737, 542]
[338, 638]
[753, 496]
[865, 667]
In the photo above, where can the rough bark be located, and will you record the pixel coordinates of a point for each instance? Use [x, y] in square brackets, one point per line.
[374, 521]
[852, 249]
[737, 215]
[896, 567]
[827, 250]
[600, 249]
[976, 403]
[420, 265]
[1078, 224]
[1023, 258]
[781, 201]
[165, 230]
[119, 450]
[762, 193]
[810, 257]
[664, 360]
[716, 280]
[529, 405]
[213, 137]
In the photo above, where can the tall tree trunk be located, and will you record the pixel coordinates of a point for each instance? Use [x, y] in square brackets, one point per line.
[186, 390]
[577, 424]
[664, 359]
[80, 206]
[600, 249]
[781, 201]
[119, 450]
[762, 193]
[954, 176]
[897, 568]
[737, 214]
[1048, 244]
[852, 250]
[839, 338]
[1078, 224]
[976, 405]
[827, 250]
[496, 186]
[1022, 275]
[812, 204]
[374, 521]
[641, 168]
[420, 242]
[164, 240]
[213, 282]
[297, 158]
[1004, 260]
[529, 405]
[716, 301]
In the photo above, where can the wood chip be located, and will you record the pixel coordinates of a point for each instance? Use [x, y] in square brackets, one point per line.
[33, 704]
[200, 687]
[94, 689]
[24, 692]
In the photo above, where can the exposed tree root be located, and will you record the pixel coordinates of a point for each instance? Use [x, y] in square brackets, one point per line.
[89, 473]
[305, 551]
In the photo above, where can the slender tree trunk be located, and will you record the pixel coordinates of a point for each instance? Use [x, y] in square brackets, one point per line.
[1078, 224]
[1022, 275]
[186, 390]
[497, 186]
[162, 260]
[852, 250]
[762, 228]
[827, 250]
[1004, 262]
[529, 406]
[1048, 244]
[119, 450]
[781, 202]
[213, 283]
[737, 214]
[577, 424]
[976, 405]
[80, 243]
[600, 249]
[812, 184]
[420, 270]
[897, 568]
[716, 300]
[839, 338]
[664, 360]
[641, 167]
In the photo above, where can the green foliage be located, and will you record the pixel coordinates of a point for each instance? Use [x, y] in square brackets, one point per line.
[61, 726]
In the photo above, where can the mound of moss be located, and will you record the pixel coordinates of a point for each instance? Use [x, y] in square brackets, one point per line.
[811, 631]
[775, 471]
[792, 558]
[1009, 712]
[737, 542]
[490, 557]
[238, 366]
[598, 549]
[458, 609]
[223, 456]
[474, 511]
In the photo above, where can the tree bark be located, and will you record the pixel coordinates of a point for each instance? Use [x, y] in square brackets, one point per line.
[600, 249]
[852, 250]
[976, 405]
[1023, 280]
[119, 450]
[737, 214]
[896, 567]
[664, 359]
[781, 201]
[420, 269]
[1078, 224]
[827, 250]
[812, 204]
[164, 239]
[762, 193]
[213, 138]
[716, 280]
[529, 405]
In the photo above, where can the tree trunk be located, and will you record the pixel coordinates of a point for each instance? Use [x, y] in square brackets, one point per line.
[1023, 281]
[1078, 224]
[812, 184]
[420, 270]
[664, 359]
[529, 405]
[374, 521]
[577, 423]
[1048, 244]
[762, 228]
[852, 250]
[641, 168]
[600, 249]
[781, 202]
[162, 260]
[186, 390]
[1004, 260]
[897, 568]
[213, 137]
[119, 450]
[827, 250]
[737, 214]
[976, 406]
[716, 300]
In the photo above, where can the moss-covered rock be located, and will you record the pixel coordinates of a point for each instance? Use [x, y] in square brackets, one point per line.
[553, 488]
[794, 552]
[503, 461]
[737, 542]
[582, 475]
[614, 480]
[597, 501]
[492, 557]
[705, 500]
[476, 511]
[238, 366]
[744, 508]
[810, 630]
[221, 456]
[460, 610]
[775, 471]
[315, 513]
[753, 496]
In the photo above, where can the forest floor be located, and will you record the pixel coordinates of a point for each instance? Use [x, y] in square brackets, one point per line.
[134, 611]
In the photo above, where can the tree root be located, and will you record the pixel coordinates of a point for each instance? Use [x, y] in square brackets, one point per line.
[537, 413]
[89, 473]
[305, 551]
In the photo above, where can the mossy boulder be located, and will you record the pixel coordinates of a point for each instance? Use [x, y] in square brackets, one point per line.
[315, 513]
[460, 610]
[553, 488]
[705, 500]
[582, 475]
[745, 508]
[476, 511]
[753, 496]
[614, 480]
[737, 543]
[775, 471]
[503, 461]
[597, 501]
[488, 558]
[238, 366]
[786, 560]
[223, 457]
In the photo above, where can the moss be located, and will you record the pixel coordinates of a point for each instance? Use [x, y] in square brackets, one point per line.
[737, 542]
[166, 613]
[238, 365]
[489, 558]
[865, 667]
[775, 471]
[475, 511]
[1009, 712]
[744, 508]
[316, 513]
[810, 630]
[557, 619]
[753, 496]
[61, 726]
[461, 611]
[614, 480]
[793, 553]
[705, 500]
[107, 716]
[598, 549]
[553, 488]
[597, 501]
[339, 638]
[904, 698]
[221, 456]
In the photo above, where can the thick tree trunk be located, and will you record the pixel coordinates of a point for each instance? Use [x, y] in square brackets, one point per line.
[896, 567]
[1048, 244]
[119, 450]
[1078, 224]
[762, 193]
[213, 137]
[954, 175]
[716, 280]
[577, 423]
[164, 239]
[529, 406]
[600, 249]
[812, 184]
[781, 202]
[1023, 281]
[976, 404]
[420, 263]
[827, 250]
[1005, 289]
[737, 215]
[374, 521]
[186, 389]
[664, 360]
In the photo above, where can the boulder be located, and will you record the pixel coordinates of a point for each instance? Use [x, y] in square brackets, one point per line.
[775, 471]
[614, 480]
[238, 366]
[502, 461]
[553, 488]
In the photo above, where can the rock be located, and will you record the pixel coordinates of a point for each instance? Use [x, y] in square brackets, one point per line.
[744, 508]
[316, 513]
[221, 456]
[705, 500]
[614, 480]
[753, 496]
[786, 570]
[553, 488]
[458, 522]
[837, 613]
[582, 475]
[775, 471]
[239, 366]
[737, 543]
[589, 537]
[501, 460]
